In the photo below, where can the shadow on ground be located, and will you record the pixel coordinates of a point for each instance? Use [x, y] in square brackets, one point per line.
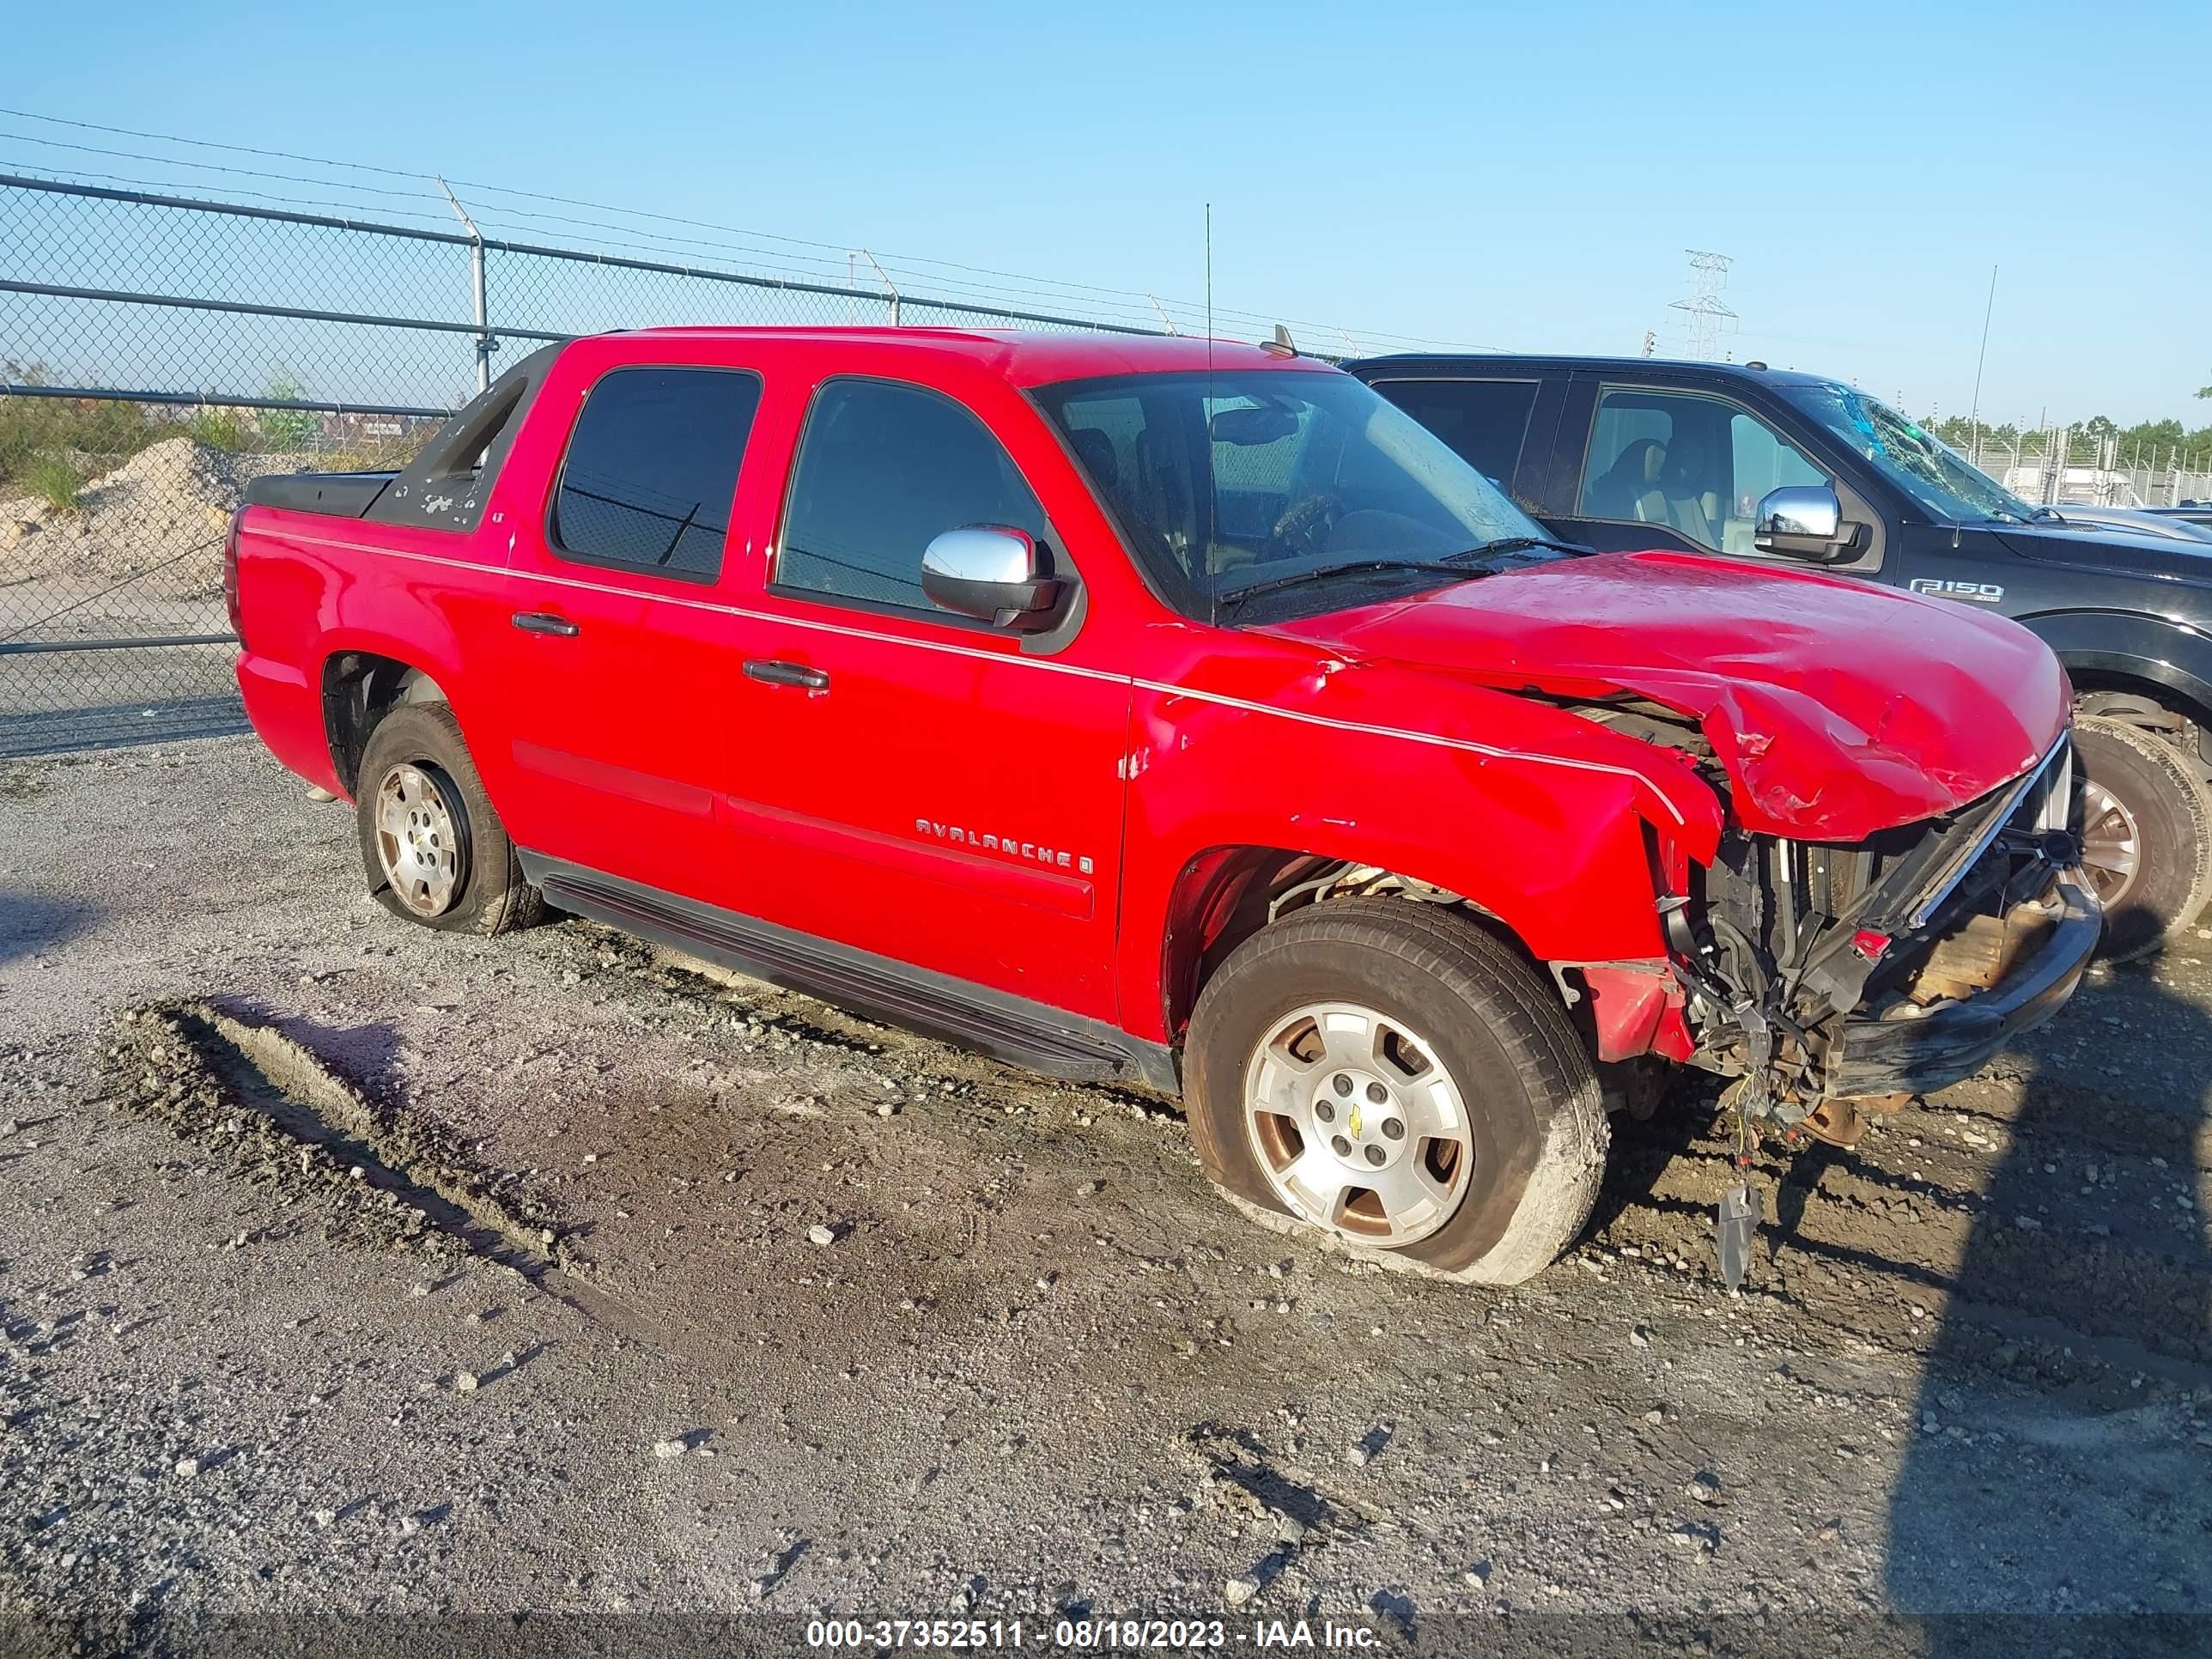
[27, 733]
[2055, 1402]
[30, 922]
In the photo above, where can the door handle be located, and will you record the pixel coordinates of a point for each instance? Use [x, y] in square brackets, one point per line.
[544, 622]
[771, 672]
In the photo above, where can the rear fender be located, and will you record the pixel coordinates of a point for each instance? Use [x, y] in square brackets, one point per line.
[433, 653]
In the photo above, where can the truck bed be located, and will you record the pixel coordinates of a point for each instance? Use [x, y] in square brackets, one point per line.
[336, 494]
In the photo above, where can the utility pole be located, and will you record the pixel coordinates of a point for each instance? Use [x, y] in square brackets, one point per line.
[1707, 310]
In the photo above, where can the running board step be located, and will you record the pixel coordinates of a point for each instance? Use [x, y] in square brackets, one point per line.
[1004, 1027]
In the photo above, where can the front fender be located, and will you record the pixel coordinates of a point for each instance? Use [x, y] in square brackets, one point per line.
[2128, 645]
[1556, 841]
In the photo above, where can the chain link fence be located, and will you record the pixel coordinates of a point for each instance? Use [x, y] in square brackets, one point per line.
[2065, 465]
[159, 352]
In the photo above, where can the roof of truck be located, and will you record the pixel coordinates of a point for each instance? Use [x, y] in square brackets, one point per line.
[1449, 361]
[1027, 358]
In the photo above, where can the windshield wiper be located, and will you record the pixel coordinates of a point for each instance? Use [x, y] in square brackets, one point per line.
[1347, 568]
[1517, 544]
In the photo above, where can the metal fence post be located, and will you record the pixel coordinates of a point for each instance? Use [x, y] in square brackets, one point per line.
[890, 287]
[485, 344]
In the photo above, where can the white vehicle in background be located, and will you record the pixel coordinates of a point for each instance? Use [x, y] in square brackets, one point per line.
[2136, 521]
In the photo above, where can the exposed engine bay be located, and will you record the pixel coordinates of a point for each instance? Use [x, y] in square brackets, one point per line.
[1791, 950]
[1827, 979]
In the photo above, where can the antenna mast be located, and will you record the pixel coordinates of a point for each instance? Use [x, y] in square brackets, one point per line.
[1974, 410]
[1206, 415]
[1209, 287]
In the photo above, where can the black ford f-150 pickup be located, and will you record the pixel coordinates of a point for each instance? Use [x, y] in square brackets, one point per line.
[1773, 465]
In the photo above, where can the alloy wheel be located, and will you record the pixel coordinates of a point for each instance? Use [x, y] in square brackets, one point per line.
[417, 839]
[1356, 1125]
[2112, 848]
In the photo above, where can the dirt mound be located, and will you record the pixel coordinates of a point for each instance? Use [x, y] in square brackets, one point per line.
[163, 513]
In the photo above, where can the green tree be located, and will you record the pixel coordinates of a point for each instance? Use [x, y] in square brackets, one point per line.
[287, 428]
[2148, 442]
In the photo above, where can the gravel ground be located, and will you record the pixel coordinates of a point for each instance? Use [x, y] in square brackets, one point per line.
[350, 1268]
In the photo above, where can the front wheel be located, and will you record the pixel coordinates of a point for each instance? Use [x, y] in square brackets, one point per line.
[2146, 835]
[1384, 1070]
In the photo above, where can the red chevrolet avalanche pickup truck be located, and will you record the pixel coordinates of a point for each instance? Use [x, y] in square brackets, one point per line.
[1180, 713]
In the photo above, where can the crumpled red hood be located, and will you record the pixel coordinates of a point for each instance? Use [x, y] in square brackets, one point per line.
[1838, 709]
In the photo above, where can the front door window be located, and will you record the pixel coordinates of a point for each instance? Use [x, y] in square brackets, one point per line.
[884, 469]
[1694, 464]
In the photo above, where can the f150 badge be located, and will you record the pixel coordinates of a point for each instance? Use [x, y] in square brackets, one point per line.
[1011, 845]
[1979, 592]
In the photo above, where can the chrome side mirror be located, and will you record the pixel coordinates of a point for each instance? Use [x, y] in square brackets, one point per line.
[994, 572]
[1806, 521]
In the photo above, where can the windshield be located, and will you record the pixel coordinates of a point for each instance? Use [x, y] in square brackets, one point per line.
[1222, 481]
[1917, 461]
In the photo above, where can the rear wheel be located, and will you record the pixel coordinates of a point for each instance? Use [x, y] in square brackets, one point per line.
[2146, 835]
[1385, 1071]
[433, 849]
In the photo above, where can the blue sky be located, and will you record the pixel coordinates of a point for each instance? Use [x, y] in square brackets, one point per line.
[1525, 177]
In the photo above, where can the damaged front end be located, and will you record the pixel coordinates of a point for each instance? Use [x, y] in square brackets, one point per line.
[1828, 978]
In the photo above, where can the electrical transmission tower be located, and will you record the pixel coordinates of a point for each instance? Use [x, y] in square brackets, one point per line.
[1708, 311]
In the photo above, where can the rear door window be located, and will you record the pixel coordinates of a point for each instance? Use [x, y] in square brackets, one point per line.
[884, 469]
[1484, 421]
[652, 470]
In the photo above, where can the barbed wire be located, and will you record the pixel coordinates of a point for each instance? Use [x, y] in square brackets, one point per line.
[1004, 288]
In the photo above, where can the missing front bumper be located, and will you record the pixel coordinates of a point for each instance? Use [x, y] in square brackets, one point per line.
[1924, 1049]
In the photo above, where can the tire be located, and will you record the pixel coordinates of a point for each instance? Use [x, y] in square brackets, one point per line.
[1508, 1172]
[433, 849]
[2146, 832]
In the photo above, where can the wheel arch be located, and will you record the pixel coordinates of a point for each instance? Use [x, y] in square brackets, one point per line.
[1224, 895]
[1543, 821]
[359, 688]
[2168, 662]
